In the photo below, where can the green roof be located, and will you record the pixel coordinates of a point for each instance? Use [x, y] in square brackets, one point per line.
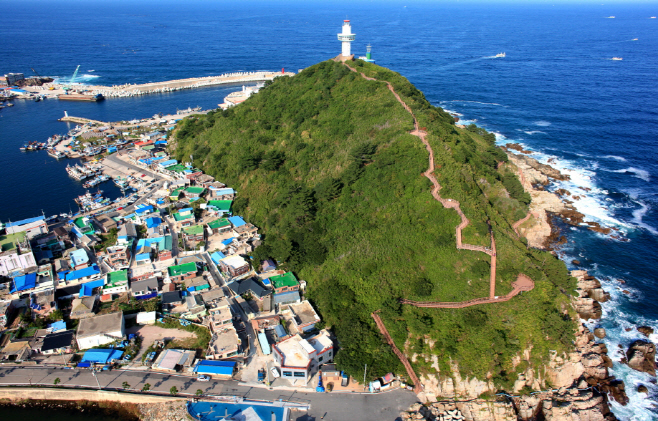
[177, 168]
[148, 147]
[178, 217]
[167, 243]
[285, 280]
[218, 223]
[176, 192]
[193, 230]
[7, 241]
[195, 190]
[182, 269]
[223, 205]
[116, 277]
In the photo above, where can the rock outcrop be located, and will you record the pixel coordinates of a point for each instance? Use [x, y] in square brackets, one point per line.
[641, 356]
[645, 330]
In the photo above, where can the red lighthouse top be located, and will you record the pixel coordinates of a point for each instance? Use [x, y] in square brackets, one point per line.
[346, 20]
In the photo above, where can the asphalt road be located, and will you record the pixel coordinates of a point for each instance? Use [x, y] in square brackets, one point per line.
[325, 406]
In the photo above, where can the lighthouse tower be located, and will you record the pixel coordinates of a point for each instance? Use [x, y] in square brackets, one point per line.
[346, 37]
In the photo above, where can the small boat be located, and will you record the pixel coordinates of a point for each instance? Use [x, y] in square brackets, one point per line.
[617, 58]
[9, 104]
[610, 17]
[500, 55]
[634, 39]
[652, 17]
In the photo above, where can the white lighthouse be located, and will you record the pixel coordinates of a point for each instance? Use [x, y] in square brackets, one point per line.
[346, 37]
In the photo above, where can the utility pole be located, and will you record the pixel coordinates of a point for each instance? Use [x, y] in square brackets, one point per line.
[364, 375]
[93, 373]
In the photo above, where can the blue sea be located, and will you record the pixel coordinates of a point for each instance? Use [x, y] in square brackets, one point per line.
[557, 92]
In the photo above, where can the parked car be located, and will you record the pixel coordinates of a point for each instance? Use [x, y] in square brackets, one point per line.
[275, 372]
[203, 378]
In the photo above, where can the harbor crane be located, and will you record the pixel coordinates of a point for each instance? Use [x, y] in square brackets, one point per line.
[68, 86]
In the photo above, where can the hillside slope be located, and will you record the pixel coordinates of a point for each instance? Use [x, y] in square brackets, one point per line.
[324, 164]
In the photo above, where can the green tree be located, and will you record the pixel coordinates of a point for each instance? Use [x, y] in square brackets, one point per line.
[199, 392]
[125, 385]
[57, 381]
[173, 390]
[146, 387]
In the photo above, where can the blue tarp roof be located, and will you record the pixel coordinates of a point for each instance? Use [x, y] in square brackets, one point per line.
[168, 163]
[143, 256]
[266, 281]
[224, 190]
[217, 256]
[101, 356]
[153, 222]
[22, 283]
[83, 273]
[236, 221]
[25, 221]
[228, 241]
[86, 290]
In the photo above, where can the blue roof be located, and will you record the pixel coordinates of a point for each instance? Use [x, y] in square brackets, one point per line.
[78, 257]
[266, 281]
[153, 222]
[236, 221]
[280, 331]
[101, 356]
[60, 325]
[83, 273]
[286, 297]
[224, 190]
[215, 367]
[22, 283]
[87, 289]
[160, 201]
[143, 256]
[144, 209]
[25, 221]
[228, 241]
[217, 256]
[168, 163]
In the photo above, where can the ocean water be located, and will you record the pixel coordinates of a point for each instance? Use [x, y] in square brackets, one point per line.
[557, 92]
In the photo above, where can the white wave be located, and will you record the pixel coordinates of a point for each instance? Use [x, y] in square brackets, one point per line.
[637, 172]
[638, 214]
[618, 158]
[531, 132]
[478, 102]
[86, 77]
[542, 123]
[91, 71]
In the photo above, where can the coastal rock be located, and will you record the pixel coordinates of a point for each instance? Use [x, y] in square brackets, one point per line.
[645, 330]
[599, 332]
[641, 356]
[599, 295]
[544, 169]
[588, 308]
[642, 389]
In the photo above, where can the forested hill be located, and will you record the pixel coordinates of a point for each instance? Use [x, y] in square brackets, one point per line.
[325, 166]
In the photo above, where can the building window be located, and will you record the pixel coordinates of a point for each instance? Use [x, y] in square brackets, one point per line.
[300, 374]
[287, 374]
[320, 359]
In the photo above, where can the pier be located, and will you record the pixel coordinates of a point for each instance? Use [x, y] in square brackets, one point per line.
[129, 90]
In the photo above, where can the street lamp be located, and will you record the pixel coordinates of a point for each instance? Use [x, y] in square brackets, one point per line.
[93, 373]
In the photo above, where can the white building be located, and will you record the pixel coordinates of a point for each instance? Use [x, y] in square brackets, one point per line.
[100, 330]
[299, 358]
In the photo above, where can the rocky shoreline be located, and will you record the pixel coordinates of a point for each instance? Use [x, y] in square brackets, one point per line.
[579, 384]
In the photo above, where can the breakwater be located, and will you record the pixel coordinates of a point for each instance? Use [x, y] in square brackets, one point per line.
[119, 91]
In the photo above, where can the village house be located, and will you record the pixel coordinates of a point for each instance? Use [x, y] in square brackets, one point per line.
[301, 317]
[194, 192]
[234, 265]
[221, 193]
[145, 289]
[196, 309]
[104, 223]
[180, 273]
[300, 358]
[171, 300]
[219, 317]
[284, 283]
[83, 307]
[249, 286]
[58, 343]
[204, 180]
[193, 233]
[127, 233]
[116, 282]
[118, 257]
[219, 226]
[100, 330]
[185, 217]
[224, 344]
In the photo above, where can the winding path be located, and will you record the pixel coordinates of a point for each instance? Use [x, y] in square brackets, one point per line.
[522, 283]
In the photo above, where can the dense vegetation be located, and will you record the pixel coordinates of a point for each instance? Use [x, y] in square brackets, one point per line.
[325, 166]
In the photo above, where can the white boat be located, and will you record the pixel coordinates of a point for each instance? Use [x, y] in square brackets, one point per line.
[500, 55]
[610, 17]
[617, 58]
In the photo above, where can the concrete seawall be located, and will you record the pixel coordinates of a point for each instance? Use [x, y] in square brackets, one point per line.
[18, 393]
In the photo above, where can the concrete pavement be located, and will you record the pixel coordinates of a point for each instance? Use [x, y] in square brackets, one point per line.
[333, 406]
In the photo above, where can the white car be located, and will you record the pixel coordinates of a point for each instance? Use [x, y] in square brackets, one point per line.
[203, 378]
[275, 372]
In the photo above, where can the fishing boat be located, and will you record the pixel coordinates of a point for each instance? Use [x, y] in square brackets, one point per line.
[617, 58]
[500, 55]
[56, 154]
